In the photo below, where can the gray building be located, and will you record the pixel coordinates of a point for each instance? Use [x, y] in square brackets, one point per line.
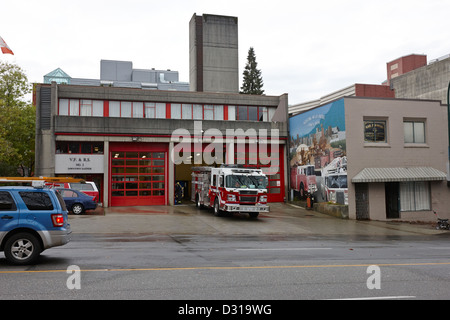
[213, 54]
[427, 82]
[115, 73]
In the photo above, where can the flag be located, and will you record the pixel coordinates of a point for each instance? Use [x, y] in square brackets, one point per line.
[4, 47]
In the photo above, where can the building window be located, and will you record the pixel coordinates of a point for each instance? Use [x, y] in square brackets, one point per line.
[83, 107]
[175, 111]
[414, 131]
[375, 131]
[415, 196]
[126, 109]
[186, 111]
[68, 147]
[155, 110]
[251, 113]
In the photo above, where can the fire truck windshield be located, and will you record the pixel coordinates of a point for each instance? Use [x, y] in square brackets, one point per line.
[337, 181]
[246, 181]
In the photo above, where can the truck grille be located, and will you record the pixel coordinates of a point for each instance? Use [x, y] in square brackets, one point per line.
[247, 196]
[251, 199]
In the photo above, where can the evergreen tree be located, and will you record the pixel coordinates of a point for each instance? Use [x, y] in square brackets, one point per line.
[252, 82]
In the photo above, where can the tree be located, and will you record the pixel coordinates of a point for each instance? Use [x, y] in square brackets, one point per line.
[252, 82]
[17, 122]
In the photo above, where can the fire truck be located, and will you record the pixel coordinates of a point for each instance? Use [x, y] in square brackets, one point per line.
[230, 188]
[335, 181]
[303, 179]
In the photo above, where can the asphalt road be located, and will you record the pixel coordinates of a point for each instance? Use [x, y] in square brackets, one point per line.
[209, 258]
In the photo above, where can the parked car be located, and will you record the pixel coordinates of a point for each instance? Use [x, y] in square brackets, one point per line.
[31, 220]
[88, 188]
[77, 201]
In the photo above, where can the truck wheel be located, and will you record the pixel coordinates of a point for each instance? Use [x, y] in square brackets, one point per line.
[22, 248]
[217, 211]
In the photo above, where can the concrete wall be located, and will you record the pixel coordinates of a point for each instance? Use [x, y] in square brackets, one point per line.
[395, 153]
[214, 63]
[429, 82]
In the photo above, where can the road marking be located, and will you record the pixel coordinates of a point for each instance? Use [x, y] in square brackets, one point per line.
[281, 249]
[379, 298]
[234, 268]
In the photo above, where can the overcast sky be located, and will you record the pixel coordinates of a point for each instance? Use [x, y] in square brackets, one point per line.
[304, 48]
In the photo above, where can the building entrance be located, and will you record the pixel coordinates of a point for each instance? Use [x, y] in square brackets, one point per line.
[138, 174]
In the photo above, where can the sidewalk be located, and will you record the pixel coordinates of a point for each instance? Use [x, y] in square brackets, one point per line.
[284, 219]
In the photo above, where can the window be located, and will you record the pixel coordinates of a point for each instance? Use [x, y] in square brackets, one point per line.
[414, 131]
[175, 111]
[114, 109]
[138, 110]
[197, 112]
[126, 109]
[155, 110]
[186, 111]
[375, 131]
[208, 112]
[415, 196]
[74, 107]
[251, 113]
[231, 112]
[63, 107]
[85, 107]
[65, 147]
[212, 112]
[36, 200]
[68, 193]
[6, 202]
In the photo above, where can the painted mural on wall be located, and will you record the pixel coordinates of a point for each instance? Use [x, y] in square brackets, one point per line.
[318, 148]
[318, 135]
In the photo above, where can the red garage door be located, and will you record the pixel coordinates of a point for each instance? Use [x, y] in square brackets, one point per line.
[138, 174]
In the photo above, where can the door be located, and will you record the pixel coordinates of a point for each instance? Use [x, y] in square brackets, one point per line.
[138, 174]
[362, 201]
[9, 213]
[392, 190]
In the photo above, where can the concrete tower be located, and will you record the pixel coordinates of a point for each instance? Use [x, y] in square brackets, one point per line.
[213, 54]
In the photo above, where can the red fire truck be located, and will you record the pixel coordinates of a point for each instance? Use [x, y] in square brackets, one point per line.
[230, 188]
[303, 180]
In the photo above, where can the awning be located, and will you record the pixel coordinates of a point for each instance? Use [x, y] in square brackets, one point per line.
[399, 175]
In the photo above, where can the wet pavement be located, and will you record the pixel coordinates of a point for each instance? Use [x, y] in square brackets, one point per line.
[283, 219]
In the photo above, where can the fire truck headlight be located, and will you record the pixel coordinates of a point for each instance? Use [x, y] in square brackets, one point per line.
[231, 197]
[263, 198]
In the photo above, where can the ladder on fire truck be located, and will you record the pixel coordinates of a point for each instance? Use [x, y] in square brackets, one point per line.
[337, 165]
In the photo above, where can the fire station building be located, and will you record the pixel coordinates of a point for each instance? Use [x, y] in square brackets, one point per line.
[137, 132]
[135, 144]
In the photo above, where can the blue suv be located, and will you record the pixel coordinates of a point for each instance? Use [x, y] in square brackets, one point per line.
[31, 220]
